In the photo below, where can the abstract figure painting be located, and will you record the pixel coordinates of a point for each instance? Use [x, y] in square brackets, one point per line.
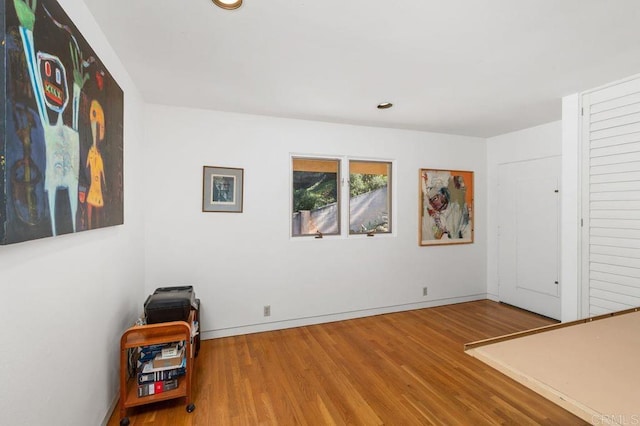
[446, 207]
[62, 128]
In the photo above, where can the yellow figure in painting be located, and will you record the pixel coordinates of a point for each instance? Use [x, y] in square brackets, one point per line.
[95, 164]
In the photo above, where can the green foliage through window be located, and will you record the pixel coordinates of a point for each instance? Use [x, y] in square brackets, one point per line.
[369, 197]
[362, 183]
[312, 190]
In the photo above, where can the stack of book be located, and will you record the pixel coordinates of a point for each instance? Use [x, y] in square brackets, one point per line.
[159, 367]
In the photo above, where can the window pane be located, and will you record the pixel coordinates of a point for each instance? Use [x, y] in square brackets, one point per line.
[369, 197]
[316, 196]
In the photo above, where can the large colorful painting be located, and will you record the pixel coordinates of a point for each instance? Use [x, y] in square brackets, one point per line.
[62, 128]
[446, 207]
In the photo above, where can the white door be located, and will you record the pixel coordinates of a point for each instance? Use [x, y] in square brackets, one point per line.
[528, 240]
[611, 198]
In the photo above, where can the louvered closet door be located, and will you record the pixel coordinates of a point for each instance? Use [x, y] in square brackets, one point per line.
[611, 199]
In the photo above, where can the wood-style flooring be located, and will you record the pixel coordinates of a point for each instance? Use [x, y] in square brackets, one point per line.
[405, 368]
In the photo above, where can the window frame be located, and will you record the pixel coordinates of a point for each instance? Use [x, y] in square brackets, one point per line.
[339, 190]
[389, 201]
[344, 197]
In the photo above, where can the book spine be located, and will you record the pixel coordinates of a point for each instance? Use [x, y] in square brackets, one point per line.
[155, 376]
[147, 367]
[154, 388]
[169, 362]
[149, 352]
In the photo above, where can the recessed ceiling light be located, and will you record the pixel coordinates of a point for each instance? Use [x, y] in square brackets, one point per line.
[385, 105]
[228, 4]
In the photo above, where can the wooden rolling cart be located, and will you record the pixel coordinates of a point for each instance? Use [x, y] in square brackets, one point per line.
[154, 334]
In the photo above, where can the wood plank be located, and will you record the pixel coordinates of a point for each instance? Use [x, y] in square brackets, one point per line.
[616, 177]
[615, 242]
[614, 260]
[615, 131]
[614, 140]
[615, 149]
[616, 186]
[616, 279]
[617, 205]
[405, 368]
[625, 157]
[613, 269]
[617, 224]
[620, 295]
[622, 106]
[615, 168]
[613, 94]
[619, 117]
[631, 291]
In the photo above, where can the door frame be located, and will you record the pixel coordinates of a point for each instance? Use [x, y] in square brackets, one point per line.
[499, 224]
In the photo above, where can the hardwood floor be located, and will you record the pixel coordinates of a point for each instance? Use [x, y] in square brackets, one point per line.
[405, 368]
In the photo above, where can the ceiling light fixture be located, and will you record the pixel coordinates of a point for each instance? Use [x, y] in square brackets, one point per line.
[228, 4]
[385, 105]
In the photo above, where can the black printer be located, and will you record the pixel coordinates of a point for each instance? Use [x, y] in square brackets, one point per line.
[173, 304]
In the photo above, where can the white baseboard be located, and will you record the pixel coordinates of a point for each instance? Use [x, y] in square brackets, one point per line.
[112, 408]
[300, 322]
[493, 297]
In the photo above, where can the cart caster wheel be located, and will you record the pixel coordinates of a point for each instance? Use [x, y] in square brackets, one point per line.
[190, 408]
[124, 422]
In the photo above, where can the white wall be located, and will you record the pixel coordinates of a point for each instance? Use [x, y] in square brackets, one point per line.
[240, 262]
[66, 300]
[533, 143]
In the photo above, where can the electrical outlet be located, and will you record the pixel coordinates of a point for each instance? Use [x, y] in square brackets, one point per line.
[267, 310]
[425, 291]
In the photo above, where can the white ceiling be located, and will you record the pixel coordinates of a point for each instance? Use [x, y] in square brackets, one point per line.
[468, 67]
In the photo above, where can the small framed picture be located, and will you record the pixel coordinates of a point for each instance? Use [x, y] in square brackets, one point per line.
[222, 189]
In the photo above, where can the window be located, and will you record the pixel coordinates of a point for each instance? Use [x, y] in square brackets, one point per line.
[316, 196]
[369, 197]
